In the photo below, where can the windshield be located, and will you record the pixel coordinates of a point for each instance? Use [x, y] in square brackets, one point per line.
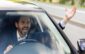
[35, 26]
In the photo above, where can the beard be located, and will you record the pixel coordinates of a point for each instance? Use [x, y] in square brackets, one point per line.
[23, 32]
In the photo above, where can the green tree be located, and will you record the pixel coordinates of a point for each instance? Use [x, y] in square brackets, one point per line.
[82, 2]
[63, 1]
[72, 2]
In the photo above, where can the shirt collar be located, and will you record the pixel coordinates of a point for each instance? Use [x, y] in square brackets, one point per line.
[19, 38]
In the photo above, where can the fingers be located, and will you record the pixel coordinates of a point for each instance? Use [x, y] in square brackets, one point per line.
[74, 8]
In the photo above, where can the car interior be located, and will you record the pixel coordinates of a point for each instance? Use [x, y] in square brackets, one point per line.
[7, 26]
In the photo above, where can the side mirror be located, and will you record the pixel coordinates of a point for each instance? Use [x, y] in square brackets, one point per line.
[81, 46]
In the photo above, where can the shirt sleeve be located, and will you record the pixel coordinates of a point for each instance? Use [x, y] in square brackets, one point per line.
[61, 24]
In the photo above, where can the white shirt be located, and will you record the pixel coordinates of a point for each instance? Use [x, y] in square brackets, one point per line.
[62, 23]
[19, 38]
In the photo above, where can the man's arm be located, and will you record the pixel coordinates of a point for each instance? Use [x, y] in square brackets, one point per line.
[67, 17]
[9, 47]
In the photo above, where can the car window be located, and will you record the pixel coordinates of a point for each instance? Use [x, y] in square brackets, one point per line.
[41, 29]
[63, 47]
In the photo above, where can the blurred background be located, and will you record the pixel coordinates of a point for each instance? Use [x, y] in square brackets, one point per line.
[80, 3]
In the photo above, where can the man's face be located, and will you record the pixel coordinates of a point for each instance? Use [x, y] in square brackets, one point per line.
[23, 25]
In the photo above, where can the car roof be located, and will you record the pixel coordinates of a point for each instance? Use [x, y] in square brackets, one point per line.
[9, 5]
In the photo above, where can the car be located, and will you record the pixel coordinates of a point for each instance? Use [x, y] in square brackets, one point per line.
[46, 37]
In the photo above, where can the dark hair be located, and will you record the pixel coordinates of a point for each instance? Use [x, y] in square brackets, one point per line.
[17, 18]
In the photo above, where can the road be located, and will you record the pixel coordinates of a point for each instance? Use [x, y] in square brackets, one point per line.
[59, 10]
[72, 30]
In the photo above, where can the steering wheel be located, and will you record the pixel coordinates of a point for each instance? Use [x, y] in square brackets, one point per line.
[32, 47]
[27, 41]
